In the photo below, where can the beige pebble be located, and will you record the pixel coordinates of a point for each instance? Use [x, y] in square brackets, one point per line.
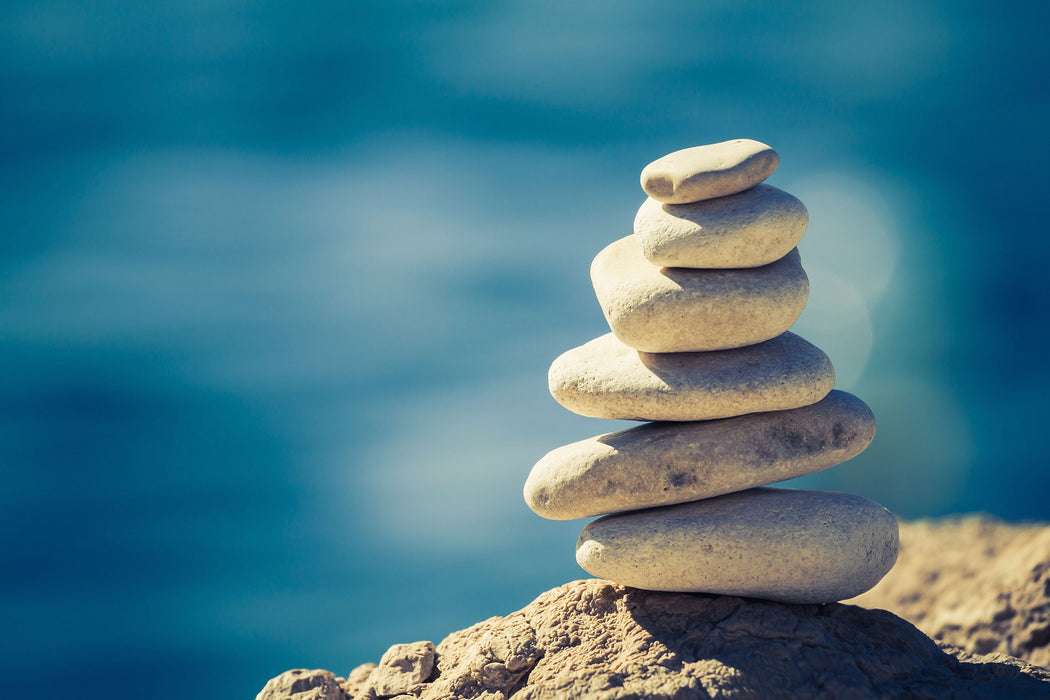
[747, 229]
[706, 172]
[660, 464]
[786, 545]
[676, 309]
[606, 379]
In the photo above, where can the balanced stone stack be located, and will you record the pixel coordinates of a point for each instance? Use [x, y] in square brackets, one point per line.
[699, 300]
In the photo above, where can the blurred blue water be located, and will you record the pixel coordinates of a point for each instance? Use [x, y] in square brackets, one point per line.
[280, 285]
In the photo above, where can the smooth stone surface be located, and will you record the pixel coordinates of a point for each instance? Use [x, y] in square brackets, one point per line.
[606, 379]
[676, 309]
[706, 172]
[660, 464]
[747, 229]
[787, 545]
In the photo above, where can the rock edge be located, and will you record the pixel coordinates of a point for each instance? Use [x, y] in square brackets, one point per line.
[596, 640]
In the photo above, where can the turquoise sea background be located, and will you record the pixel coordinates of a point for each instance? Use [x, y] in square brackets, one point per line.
[280, 284]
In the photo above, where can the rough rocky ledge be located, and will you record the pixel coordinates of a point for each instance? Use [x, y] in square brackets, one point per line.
[594, 639]
[975, 583]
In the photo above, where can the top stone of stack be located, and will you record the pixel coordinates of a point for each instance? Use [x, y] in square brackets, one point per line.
[706, 172]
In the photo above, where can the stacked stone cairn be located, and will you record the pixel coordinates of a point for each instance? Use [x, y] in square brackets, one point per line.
[699, 300]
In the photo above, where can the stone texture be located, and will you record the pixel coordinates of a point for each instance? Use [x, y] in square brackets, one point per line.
[973, 582]
[401, 672]
[402, 668]
[747, 229]
[357, 680]
[789, 545]
[606, 379]
[491, 660]
[705, 172]
[301, 684]
[595, 640]
[674, 309]
[665, 463]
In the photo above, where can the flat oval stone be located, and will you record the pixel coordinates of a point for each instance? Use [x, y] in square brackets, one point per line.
[677, 309]
[660, 464]
[747, 229]
[786, 545]
[606, 379]
[706, 172]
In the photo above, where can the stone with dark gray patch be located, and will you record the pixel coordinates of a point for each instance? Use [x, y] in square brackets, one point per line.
[665, 463]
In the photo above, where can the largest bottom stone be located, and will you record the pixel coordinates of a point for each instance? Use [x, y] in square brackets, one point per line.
[788, 545]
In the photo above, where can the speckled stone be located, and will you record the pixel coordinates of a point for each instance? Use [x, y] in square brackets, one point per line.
[706, 172]
[606, 379]
[747, 229]
[785, 545]
[660, 464]
[675, 309]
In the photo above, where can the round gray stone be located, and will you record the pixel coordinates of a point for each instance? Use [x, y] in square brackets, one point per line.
[676, 309]
[660, 464]
[747, 229]
[706, 172]
[787, 545]
[606, 379]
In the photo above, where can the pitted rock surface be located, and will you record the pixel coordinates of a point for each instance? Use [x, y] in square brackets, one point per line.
[303, 684]
[665, 463]
[357, 680]
[402, 668]
[973, 582]
[593, 639]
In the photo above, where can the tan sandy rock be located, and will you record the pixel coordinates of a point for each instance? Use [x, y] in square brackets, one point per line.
[705, 172]
[674, 309]
[789, 545]
[357, 680]
[973, 582]
[606, 379]
[303, 684]
[402, 668]
[593, 640]
[665, 463]
[747, 229]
